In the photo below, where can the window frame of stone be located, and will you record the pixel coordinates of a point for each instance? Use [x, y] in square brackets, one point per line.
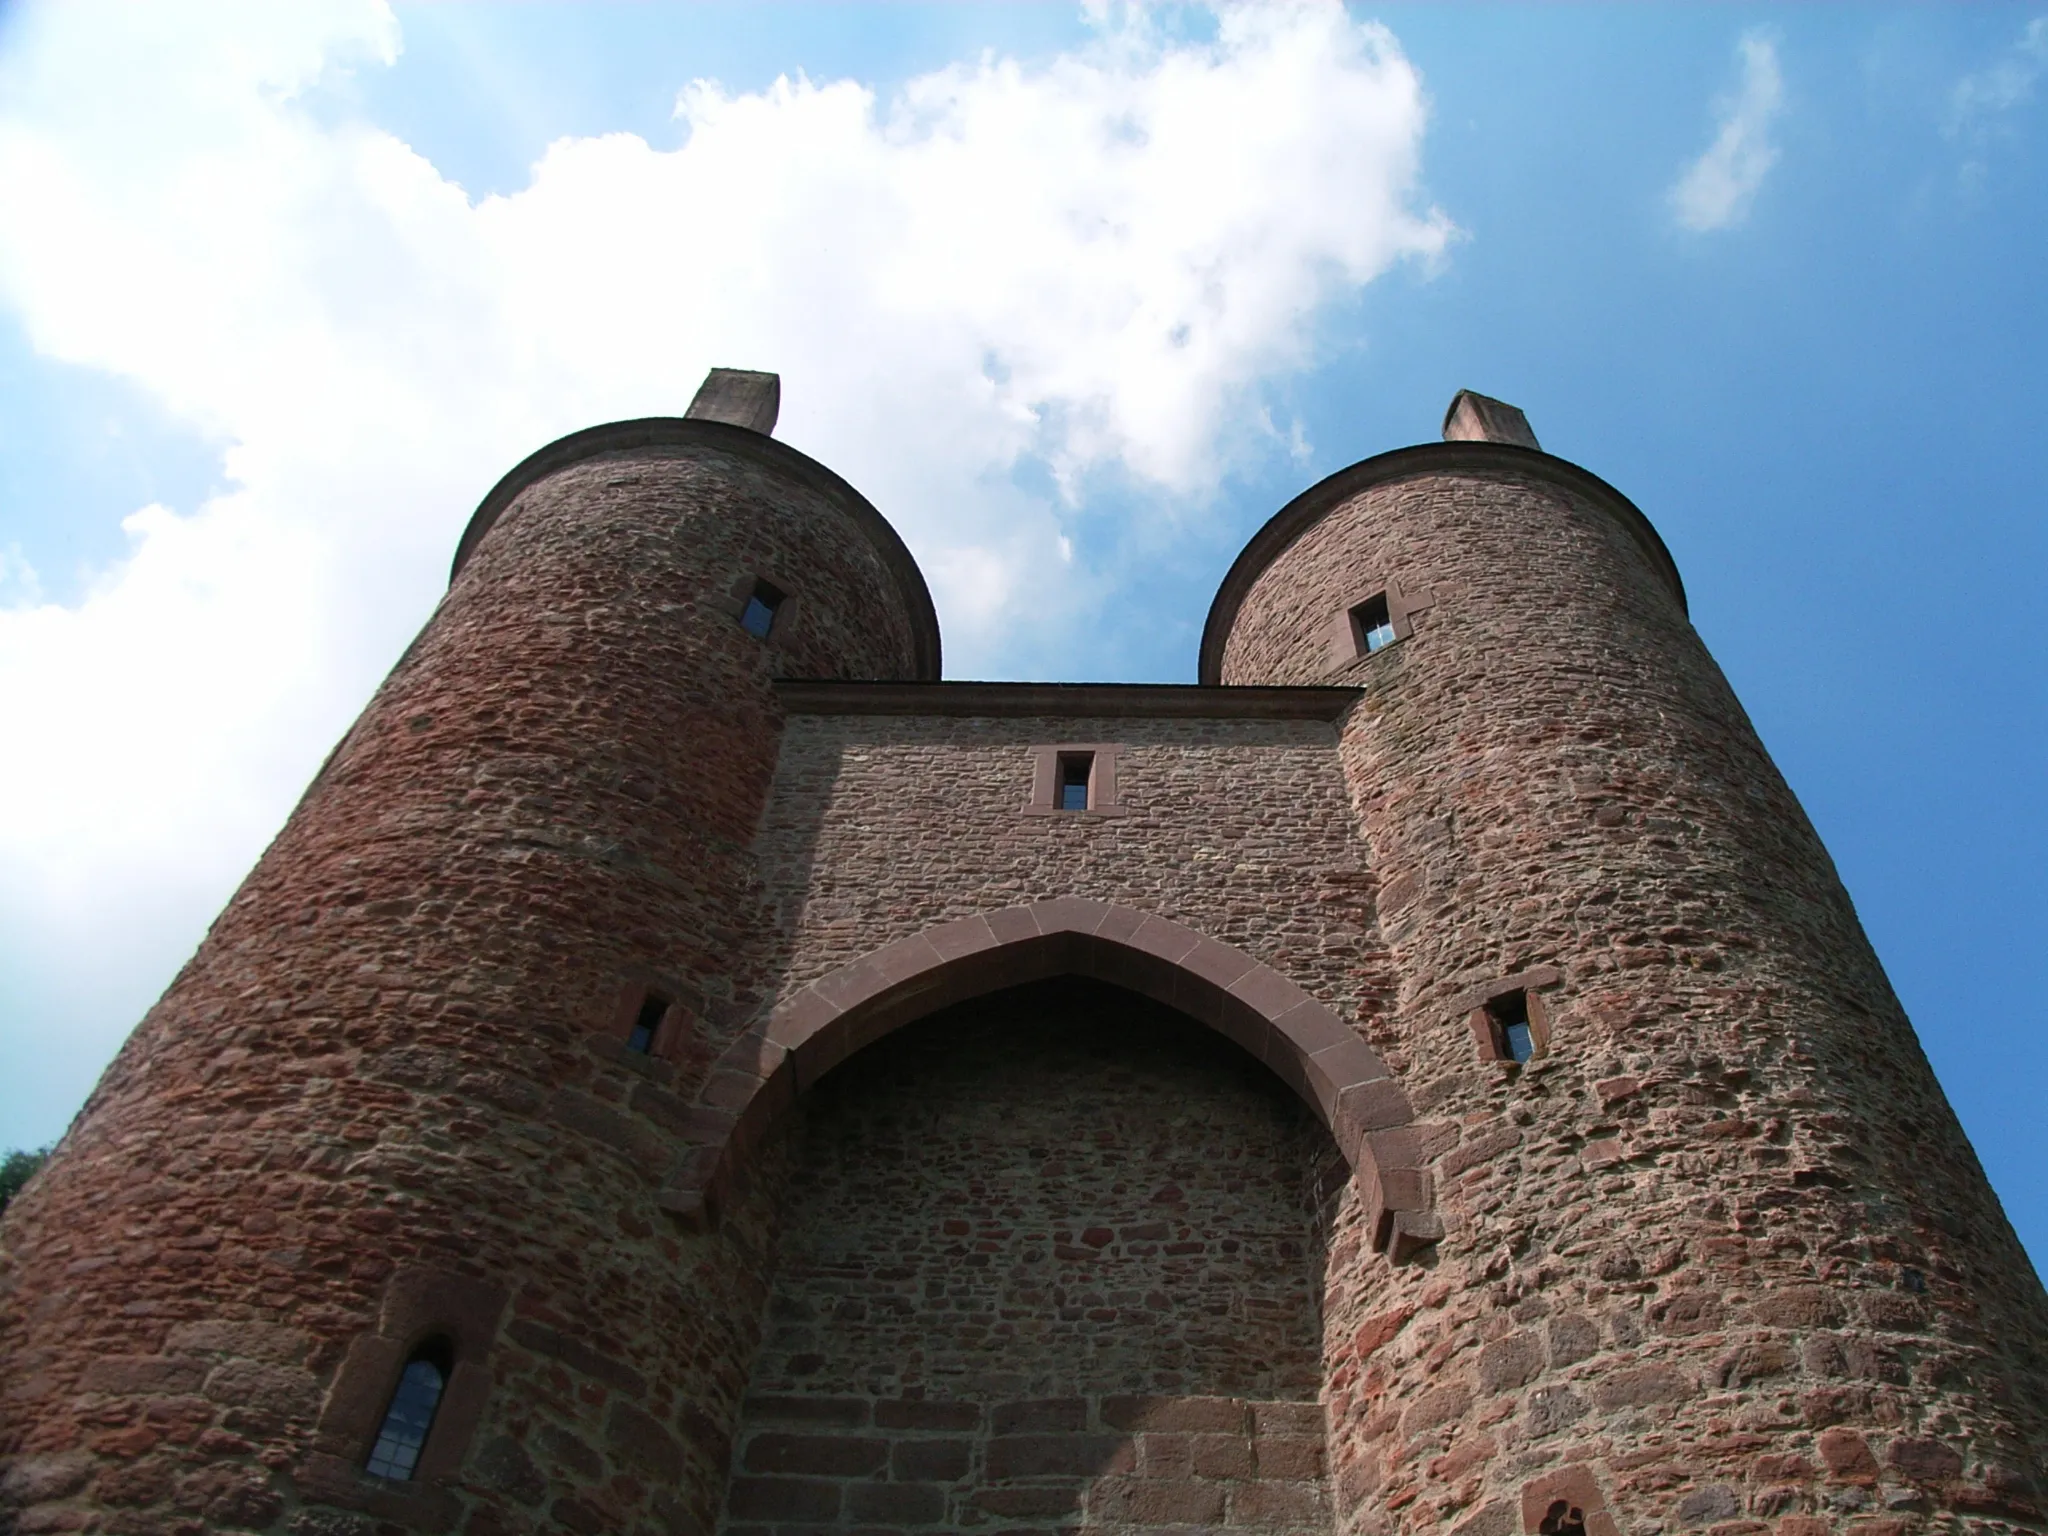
[783, 612]
[612, 1035]
[1104, 798]
[421, 1304]
[1491, 1029]
[658, 1034]
[1347, 640]
[1477, 1006]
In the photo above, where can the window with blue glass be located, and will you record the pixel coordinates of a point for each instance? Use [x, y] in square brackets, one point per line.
[758, 617]
[647, 1024]
[411, 1414]
[1514, 1035]
[1076, 770]
[1372, 621]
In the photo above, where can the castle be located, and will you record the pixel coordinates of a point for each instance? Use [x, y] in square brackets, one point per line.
[684, 1067]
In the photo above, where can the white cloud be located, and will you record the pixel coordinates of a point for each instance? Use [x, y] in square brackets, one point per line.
[1092, 263]
[1717, 189]
[1983, 103]
[2007, 83]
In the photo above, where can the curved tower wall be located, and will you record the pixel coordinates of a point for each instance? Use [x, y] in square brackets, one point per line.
[389, 1097]
[1722, 1253]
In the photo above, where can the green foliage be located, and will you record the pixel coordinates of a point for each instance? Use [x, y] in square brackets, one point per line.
[16, 1169]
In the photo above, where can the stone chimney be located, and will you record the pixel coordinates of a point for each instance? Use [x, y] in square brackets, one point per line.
[743, 399]
[1482, 419]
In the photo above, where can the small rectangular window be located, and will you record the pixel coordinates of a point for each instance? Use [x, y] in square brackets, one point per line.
[1515, 1038]
[647, 1025]
[1374, 622]
[758, 617]
[1076, 769]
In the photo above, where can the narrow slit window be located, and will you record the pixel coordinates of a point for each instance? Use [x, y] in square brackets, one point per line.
[1076, 769]
[411, 1414]
[1512, 1032]
[758, 617]
[647, 1024]
[1374, 622]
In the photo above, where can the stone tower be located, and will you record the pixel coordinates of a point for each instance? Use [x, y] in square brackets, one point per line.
[683, 1067]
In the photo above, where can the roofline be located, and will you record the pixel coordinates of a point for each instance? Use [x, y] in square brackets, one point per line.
[696, 432]
[1150, 701]
[1469, 457]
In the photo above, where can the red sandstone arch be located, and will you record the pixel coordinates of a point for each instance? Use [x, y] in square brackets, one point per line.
[756, 1082]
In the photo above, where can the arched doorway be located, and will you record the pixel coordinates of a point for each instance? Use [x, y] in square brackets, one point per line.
[1320, 1056]
[1049, 1257]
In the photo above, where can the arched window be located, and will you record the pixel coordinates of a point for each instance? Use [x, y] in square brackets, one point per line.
[411, 1413]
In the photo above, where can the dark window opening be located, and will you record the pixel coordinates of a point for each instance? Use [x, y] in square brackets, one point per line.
[411, 1414]
[1563, 1519]
[647, 1024]
[1076, 769]
[1511, 1030]
[758, 617]
[1374, 622]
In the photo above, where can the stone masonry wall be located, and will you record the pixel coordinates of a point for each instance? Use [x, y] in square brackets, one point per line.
[884, 825]
[1049, 1259]
[1723, 1259]
[391, 1071]
[1719, 1260]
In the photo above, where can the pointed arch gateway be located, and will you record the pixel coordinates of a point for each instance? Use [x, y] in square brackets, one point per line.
[1341, 1078]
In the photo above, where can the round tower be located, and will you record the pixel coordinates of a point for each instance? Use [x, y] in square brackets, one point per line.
[386, 1153]
[1716, 1252]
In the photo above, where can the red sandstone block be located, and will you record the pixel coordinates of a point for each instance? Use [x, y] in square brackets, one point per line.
[1164, 940]
[644, 1443]
[1268, 993]
[930, 1461]
[815, 1455]
[1438, 1405]
[781, 1498]
[918, 1413]
[1287, 1418]
[133, 1375]
[575, 1354]
[1154, 1501]
[1640, 1386]
[1166, 1455]
[1119, 924]
[799, 1018]
[1078, 1455]
[1375, 1105]
[894, 1504]
[1195, 1415]
[1216, 964]
[955, 941]
[1046, 1413]
[1924, 1460]
[1012, 925]
[1296, 1504]
[1234, 1021]
[1068, 914]
[1288, 1458]
[1798, 1306]
[731, 1091]
[1039, 1503]
[839, 1412]
[1221, 1455]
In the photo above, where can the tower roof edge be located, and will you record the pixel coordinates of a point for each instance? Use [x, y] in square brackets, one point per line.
[1451, 457]
[689, 432]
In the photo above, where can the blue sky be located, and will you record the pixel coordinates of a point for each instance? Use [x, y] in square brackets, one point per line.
[282, 290]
